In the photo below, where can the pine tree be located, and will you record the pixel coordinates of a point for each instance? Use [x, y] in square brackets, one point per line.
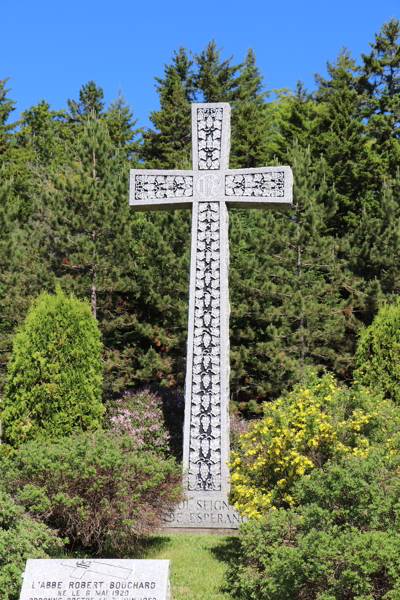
[86, 233]
[18, 271]
[295, 128]
[93, 245]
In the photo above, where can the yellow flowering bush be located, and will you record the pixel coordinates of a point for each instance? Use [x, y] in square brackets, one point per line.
[316, 422]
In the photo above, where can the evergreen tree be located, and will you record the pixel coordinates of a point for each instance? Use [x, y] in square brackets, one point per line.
[6, 108]
[120, 126]
[374, 247]
[18, 270]
[55, 374]
[300, 112]
[292, 300]
[215, 80]
[182, 66]
[338, 134]
[43, 143]
[90, 102]
[251, 141]
[380, 87]
[93, 244]
[378, 352]
[169, 146]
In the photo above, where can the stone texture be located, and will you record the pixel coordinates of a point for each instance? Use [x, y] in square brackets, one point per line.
[205, 511]
[210, 188]
[71, 579]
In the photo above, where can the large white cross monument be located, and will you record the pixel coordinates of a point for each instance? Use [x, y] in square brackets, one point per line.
[209, 189]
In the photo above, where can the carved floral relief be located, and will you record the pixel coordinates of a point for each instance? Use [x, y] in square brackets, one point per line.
[209, 129]
[150, 187]
[264, 185]
[205, 425]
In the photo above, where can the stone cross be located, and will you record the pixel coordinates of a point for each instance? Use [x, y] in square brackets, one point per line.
[209, 188]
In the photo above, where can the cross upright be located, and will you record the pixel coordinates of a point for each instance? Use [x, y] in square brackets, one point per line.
[209, 189]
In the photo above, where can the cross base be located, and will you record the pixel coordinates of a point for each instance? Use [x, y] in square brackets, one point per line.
[203, 511]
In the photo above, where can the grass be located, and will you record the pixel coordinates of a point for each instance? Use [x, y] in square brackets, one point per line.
[198, 563]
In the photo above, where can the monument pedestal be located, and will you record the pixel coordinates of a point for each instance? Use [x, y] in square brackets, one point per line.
[205, 511]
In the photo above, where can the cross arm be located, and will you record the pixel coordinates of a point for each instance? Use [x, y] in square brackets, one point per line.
[160, 189]
[263, 187]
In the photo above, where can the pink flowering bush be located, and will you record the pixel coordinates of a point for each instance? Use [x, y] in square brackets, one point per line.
[140, 415]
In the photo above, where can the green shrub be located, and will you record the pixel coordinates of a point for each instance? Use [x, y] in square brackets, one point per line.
[315, 422]
[342, 541]
[95, 488]
[21, 537]
[55, 374]
[378, 352]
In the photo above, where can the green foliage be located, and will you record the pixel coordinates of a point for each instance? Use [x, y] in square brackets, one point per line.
[379, 87]
[120, 123]
[6, 108]
[55, 374]
[300, 287]
[251, 118]
[90, 101]
[169, 147]
[378, 352]
[90, 242]
[375, 244]
[215, 80]
[21, 537]
[342, 139]
[292, 296]
[342, 542]
[299, 433]
[95, 488]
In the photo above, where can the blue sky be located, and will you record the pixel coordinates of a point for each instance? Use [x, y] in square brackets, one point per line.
[51, 48]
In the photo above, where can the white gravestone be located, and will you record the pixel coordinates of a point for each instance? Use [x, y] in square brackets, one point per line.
[209, 188]
[103, 578]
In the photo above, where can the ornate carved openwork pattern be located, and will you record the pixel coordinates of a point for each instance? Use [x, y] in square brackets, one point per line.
[265, 185]
[148, 187]
[205, 425]
[209, 127]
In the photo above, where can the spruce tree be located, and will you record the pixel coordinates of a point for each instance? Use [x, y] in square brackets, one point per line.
[215, 80]
[120, 125]
[169, 146]
[295, 127]
[379, 85]
[251, 143]
[86, 234]
[340, 136]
